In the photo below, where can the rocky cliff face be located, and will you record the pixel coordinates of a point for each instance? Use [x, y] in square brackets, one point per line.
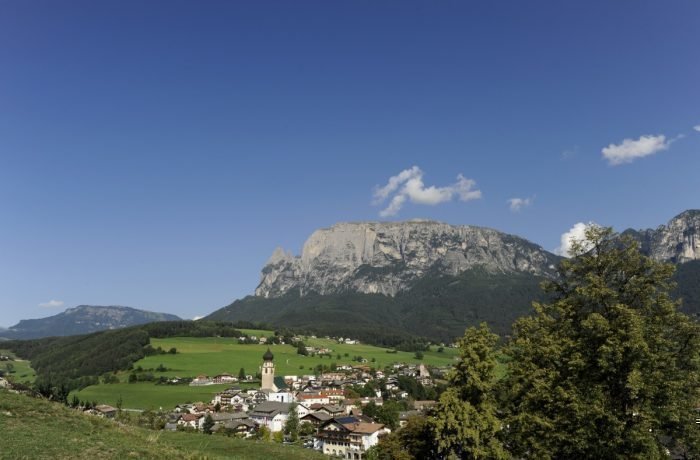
[388, 257]
[676, 242]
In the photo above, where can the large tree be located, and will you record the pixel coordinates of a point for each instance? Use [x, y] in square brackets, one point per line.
[609, 368]
[465, 424]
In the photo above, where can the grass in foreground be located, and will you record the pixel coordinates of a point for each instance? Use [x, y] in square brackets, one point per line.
[37, 429]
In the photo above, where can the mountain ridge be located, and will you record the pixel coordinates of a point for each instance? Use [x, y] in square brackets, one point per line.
[433, 286]
[83, 319]
[388, 257]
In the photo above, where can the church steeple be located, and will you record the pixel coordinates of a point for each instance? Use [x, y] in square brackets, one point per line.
[268, 372]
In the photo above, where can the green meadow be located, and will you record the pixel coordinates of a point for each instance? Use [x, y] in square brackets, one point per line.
[22, 370]
[216, 355]
[147, 395]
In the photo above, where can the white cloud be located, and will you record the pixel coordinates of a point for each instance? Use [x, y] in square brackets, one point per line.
[575, 233]
[516, 204]
[696, 128]
[52, 304]
[408, 185]
[630, 149]
[196, 318]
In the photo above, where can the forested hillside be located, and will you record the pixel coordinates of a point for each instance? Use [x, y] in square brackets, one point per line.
[76, 361]
[438, 307]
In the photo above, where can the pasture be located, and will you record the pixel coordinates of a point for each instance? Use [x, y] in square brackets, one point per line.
[216, 355]
[22, 371]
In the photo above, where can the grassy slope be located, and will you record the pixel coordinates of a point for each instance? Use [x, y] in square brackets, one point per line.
[36, 429]
[214, 355]
[23, 372]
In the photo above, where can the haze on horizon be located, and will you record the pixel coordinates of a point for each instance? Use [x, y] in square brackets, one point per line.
[154, 154]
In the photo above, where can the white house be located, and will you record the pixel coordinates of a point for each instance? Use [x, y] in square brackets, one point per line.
[271, 414]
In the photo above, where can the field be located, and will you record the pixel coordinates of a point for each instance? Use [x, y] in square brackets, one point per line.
[23, 373]
[38, 429]
[147, 395]
[216, 355]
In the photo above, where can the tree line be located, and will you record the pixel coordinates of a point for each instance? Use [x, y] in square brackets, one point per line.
[74, 362]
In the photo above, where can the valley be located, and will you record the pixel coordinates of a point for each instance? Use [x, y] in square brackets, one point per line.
[216, 355]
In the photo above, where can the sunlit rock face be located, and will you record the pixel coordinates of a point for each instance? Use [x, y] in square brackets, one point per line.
[678, 241]
[388, 257]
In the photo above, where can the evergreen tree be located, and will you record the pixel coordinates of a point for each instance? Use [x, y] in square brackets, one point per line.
[241, 374]
[465, 424]
[609, 368]
[291, 427]
[208, 424]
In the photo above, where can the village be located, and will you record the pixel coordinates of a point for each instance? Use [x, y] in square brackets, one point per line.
[342, 413]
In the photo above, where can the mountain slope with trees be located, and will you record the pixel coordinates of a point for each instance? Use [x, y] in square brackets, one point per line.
[371, 280]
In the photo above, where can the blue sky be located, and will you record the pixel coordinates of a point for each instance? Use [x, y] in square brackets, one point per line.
[153, 154]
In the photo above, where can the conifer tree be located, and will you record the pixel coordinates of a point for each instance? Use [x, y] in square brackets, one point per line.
[291, 427]
[208, 424]
[465, 424]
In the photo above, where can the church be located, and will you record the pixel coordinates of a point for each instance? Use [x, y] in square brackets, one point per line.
[275, 388]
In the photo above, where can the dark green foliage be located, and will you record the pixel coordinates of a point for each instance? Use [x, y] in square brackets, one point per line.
[70, 359]
[387, 413]
[208, 424]
[609, 368]
[687, 278]
[191, 329]
[466, 424]
[415, 389]
[436, 307]
[77, 361]
[413, 441]
[291, 427]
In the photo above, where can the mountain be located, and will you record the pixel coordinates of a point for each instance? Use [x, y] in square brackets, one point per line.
[677, 242]
[389, 257]
[387, 281]
[371, 280]
[83, 319]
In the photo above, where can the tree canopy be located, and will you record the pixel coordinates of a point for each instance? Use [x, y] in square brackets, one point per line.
[610, 367]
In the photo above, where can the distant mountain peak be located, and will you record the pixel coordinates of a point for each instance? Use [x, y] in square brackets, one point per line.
[84, 319]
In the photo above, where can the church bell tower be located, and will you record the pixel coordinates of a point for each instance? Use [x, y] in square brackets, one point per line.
[268, 372]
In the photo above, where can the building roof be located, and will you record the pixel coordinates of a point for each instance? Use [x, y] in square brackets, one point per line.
[280, 383]
[270, 409]
[364, 427]
[320, 416]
